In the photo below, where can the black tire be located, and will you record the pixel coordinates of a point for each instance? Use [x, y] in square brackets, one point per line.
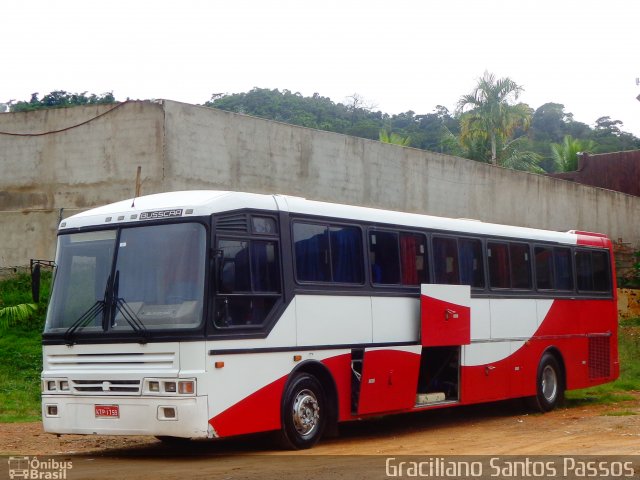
[549, 384]
[304, 412]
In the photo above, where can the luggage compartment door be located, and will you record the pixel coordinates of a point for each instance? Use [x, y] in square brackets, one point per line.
[445, 315]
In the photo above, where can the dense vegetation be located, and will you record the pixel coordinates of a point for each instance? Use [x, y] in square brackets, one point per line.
[60, 99]
[21, 352]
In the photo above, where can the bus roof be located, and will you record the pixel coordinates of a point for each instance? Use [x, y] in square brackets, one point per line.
[194, 203]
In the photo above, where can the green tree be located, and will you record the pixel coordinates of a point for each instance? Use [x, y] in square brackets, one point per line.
[60, 99]
[518, 155]
[565, 154]
[488, 114]
[393, 138]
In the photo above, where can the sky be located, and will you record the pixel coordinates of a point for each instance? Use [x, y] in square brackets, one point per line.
[398, 55]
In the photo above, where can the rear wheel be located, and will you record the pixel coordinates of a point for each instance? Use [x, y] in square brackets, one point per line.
[304, 412]
[549, 384]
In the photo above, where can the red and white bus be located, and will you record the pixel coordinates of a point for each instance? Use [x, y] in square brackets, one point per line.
[212, 314]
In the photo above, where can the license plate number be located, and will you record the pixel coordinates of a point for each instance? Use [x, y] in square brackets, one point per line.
[111, 411]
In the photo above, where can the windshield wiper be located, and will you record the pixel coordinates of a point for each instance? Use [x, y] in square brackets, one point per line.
[108, 308]
[127, 313]
[132, 319]
[87, 317]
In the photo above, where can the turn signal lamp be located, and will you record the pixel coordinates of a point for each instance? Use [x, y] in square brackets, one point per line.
[186, 387]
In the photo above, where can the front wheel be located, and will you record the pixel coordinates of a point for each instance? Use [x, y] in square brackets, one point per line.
[304, 412]
[549, 384]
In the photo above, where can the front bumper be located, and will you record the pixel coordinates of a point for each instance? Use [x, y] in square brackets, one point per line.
[137, 416]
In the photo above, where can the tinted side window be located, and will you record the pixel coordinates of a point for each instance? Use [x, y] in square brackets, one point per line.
[248, 285]
[544, 268]
[592, 269]
[563, 268]
[471, 262]
[328, 253]
[601, 272]
[445, 260]
[499, 265]
[384, 257]
[346, 255]
[413, 257]
[584, 271]
[311, 245]
[520, 266]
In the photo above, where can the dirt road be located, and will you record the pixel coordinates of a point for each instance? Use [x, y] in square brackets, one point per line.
[359, 452]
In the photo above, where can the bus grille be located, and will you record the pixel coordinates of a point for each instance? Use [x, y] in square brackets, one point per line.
[128, 362]
[106, 387]
[599, 357]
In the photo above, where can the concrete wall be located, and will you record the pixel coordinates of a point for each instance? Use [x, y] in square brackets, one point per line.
[92, 158]
[70, 159]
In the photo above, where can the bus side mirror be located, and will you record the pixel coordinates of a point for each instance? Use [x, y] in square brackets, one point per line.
[35, 282]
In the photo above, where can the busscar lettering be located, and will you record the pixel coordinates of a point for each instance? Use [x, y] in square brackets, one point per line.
[176, 212]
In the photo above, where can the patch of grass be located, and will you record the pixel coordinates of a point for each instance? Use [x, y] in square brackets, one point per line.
[20, 367]
[21, 353]
[630, 322]
[620, 413]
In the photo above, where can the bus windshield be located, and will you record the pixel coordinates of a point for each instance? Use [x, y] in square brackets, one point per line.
[129, 280]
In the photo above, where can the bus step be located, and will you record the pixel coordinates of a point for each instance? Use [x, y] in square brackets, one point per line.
[433, 397]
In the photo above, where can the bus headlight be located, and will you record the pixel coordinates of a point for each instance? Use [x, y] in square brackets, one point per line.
[169, 386]
[55, 385]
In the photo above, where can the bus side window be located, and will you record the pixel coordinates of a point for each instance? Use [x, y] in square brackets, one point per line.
[471, 264]
[413, 259]
[328, 253]
[249, 282]
[584, 271]
[601, 272]
[384, 257]
[520, 266]
[592, 270]
[563, 268]
[311, 244]
[544, 268]
[347, 263]
[499, 265]
[445, 260]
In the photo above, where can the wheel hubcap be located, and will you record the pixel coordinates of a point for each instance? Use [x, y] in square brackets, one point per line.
[306, 412]
[549, 384]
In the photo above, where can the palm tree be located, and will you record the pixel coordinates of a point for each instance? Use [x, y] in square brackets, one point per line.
[565, 154]
[393, 138]
[16, 314]
[488, 116]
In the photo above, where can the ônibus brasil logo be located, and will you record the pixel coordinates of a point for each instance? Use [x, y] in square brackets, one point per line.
[34, 468]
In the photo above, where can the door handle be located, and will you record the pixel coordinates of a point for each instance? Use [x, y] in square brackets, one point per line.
[448, 313]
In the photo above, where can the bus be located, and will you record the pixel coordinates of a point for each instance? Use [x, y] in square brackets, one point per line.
[210, 314]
